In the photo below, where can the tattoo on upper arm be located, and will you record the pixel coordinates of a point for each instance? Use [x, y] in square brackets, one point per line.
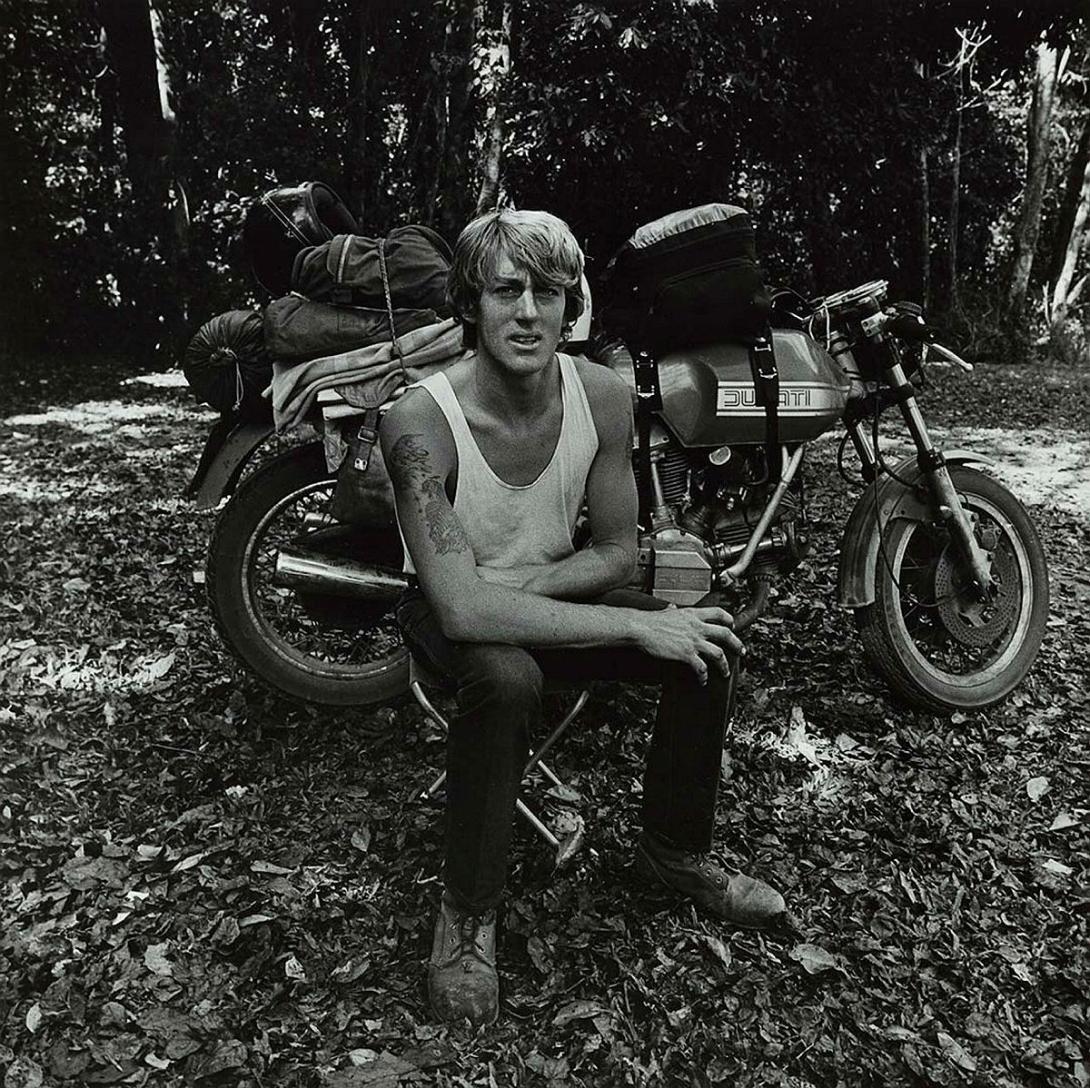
[410, 465]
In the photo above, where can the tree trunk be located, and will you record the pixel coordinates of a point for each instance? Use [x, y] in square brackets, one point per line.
[494, 73]
[152, 297]
[1065, 218]
[924, 241]
[360, 45]
[1063, 296]
[1039, 133]
[953, 224]
[820, 235]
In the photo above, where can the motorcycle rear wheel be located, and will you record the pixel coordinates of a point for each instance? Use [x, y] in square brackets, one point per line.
[938, 647]
[317, 649]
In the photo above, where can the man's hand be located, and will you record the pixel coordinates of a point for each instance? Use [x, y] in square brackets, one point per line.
[698, 636]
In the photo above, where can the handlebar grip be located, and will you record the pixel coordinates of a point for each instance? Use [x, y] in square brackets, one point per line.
[911, 327]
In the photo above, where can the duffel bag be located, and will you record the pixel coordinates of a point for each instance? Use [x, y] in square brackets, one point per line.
[687, 279]
[283, 221]
[301, 330]
[405, 270]
[227, 366]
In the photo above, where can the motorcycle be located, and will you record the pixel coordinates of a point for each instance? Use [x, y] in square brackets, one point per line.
[940, 564]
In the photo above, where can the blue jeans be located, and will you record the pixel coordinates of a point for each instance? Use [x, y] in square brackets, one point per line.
[499, 699]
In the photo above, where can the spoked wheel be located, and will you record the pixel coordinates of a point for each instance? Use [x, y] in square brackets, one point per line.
[938, 645]
[319, 648]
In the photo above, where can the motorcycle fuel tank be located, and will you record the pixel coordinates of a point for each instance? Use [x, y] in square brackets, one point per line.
[708, 397]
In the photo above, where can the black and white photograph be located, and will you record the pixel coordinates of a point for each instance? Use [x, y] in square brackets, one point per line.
[545, 543]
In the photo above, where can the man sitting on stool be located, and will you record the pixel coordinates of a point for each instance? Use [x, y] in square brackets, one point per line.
[491, 461]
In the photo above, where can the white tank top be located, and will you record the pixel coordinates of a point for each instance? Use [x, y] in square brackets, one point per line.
[512, 525]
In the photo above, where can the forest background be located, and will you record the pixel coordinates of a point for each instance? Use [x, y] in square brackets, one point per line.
[941, 145]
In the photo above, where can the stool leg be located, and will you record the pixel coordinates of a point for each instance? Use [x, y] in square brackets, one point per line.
[427, 706]
[554, 736]
[537, 825]
[431, 790]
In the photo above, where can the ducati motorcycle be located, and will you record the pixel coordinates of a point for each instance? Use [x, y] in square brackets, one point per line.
[939, 563]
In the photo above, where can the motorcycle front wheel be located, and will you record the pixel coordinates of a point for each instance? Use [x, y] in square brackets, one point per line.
[938, 646]
[320, 649]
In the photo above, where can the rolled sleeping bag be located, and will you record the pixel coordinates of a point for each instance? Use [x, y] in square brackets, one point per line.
[227, 366]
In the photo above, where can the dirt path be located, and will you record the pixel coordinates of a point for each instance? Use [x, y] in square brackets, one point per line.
[1042, 466]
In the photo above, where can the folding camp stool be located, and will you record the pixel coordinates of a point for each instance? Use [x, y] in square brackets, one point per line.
[421, 678]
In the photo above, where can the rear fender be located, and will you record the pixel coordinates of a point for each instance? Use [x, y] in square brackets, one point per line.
[891, 500]
[227, 449]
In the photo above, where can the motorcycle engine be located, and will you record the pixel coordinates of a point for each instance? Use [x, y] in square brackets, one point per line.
[706, 507]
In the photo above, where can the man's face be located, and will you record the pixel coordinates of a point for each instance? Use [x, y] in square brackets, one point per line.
[519, 322]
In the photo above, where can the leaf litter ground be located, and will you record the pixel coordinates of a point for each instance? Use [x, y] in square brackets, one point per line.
[202, 884]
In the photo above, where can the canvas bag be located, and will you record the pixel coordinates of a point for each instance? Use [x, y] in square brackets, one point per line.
[686, 279]
[349, 271]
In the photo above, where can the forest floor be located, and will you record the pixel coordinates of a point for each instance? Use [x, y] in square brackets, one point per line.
[202, 884]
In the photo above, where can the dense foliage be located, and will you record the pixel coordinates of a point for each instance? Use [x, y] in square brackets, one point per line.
[835, 122]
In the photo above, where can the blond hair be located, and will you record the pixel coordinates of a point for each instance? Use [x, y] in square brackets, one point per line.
[538, 242]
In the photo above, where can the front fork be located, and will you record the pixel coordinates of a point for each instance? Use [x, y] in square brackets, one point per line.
[932, 467]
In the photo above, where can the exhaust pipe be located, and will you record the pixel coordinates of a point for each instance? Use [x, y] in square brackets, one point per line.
[302, 570]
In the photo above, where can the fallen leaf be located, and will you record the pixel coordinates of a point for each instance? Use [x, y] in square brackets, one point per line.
[718, 950]
[66, 1064]
[1058, 867]
[362, 1055]
[361, 839]
[155, 959]
[161, 666]
[33, 1017]
[1036, 788]
[254, 919]
[814, 958]
[571, 841]
[538, 952]
[578, 1010]
[385, 1070]
[294, 969]
[1062, 821]
[565, 794]
[350, 970]
[269, 867]
[228, 1054]
[1022, 971]
[900, 1034]
[84, 873]
[190, 862]
[23, 1073]
[226, 932]
[156, 1062]
[956, 1052]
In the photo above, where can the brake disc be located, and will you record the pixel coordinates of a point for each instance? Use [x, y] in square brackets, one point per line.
[968, 619]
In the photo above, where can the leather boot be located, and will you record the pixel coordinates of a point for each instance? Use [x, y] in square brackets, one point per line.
[462, 979]
[721, 891]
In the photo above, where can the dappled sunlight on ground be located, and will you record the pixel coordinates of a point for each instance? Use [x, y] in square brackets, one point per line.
[34, 667]
[104, 417]
[172, 379]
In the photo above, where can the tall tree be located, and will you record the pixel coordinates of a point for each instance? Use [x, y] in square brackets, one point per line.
[1070, 201]
[493, 66]
[152, 289]
[1065, 291]
[1038, 143]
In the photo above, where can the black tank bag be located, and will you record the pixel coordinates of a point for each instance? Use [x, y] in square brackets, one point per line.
[687, 279]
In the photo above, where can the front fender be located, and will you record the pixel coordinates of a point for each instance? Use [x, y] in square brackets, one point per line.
[890, 500]
[228, 448]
